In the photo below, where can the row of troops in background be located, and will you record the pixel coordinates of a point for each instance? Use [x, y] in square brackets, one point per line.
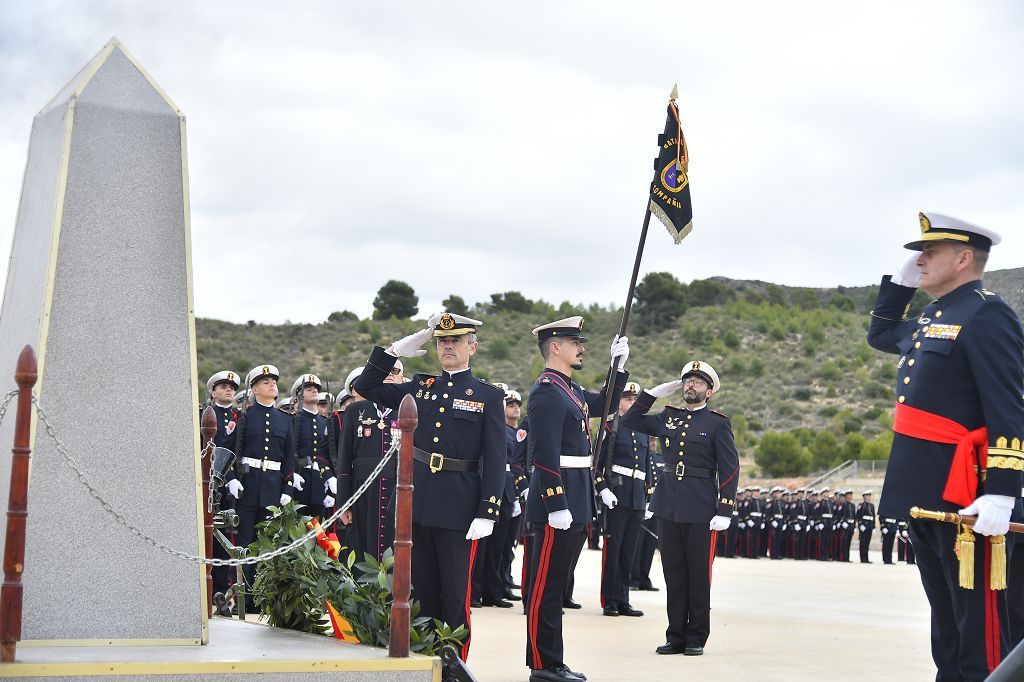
[810, 524]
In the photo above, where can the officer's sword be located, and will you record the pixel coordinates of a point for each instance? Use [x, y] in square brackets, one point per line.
[950, 517]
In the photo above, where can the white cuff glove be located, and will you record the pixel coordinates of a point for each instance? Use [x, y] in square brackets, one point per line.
[862, 528]
[845, 524]
[298, 481]
[480, 528]
[720, 522]
[797, 528]
[909, 274]
[560, 520]
[608, 498]
[648, 514]
[885, 531]
[526, 493]
[620, 349]
[411, 346]
[993, 512]
[775, 524]
[234, 487]
[666, 389]
[332, 485]
[328, 501]
[285, 499]
[517, 508]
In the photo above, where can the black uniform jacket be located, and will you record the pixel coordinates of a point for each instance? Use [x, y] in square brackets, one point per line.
[461, 417]
[365, 438]
[227, 420]
[264, 433]
[962, 359]
[312, 447]
[559, 412]
[699, 438]
[631, 452]
[866, 515]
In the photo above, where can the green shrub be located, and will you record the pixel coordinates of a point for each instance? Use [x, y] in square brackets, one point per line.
[780, 454]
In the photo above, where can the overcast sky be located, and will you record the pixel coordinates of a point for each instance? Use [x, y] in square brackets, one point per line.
[477, 147]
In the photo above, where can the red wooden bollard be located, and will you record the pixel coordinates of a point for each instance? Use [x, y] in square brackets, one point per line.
[402, 583]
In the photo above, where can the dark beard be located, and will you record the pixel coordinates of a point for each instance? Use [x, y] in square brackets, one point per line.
[578, 364]
[695, 400]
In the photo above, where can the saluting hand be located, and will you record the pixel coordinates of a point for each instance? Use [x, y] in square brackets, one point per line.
[666, 389]
[411, 346]
[909, 274]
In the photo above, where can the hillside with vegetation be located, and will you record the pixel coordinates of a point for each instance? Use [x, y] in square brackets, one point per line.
[803, 388]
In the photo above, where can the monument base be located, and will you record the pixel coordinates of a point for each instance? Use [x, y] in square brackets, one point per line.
[235, 647]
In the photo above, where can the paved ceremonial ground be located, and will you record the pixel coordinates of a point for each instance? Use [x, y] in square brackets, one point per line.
[770, 621]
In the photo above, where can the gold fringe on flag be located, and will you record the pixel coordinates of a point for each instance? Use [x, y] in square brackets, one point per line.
[965, 553]
[997, 576]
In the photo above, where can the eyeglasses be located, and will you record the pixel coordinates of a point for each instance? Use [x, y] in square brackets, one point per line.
[694, 382]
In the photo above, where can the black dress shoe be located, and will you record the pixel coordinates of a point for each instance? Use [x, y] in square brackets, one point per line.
[515, 586]
[558, 673]
[693, 651]
[475, 602]
[627, 610]
[570, 604]
[611, 610]
[511, 597]
[648, 587]
[670, 648]
[500, 603]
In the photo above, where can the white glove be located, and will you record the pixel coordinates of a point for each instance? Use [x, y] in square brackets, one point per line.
[993, 512]
[762, 527]
[845, 525]
[328, 501]
[608, 498]
[775, 524]
[862, 528]
[526, 493]
[285, 499]
[797, 528]
[234, 487]
[666, 389]
[909, 274]
[517, 508]
[885, 531]
[620, 349]
[297, 481]
[906, 534]
[648, 514]
[719, 522]
[332, 485]
[480, 528]
[560, 520]
[411, 346]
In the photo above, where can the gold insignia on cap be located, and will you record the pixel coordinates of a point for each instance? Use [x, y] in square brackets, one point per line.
[231, 376]
[266, 370]
[696, 366]
[925, 223]
[447, 322]
[581, 324]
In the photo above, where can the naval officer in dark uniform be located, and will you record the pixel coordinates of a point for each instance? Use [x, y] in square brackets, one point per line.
[866, 523]
[622, 488]
[315, 482]
[265, 447]
[560, 503]
[958, 427]
[693, 500]
[459, 455]
[221, 389]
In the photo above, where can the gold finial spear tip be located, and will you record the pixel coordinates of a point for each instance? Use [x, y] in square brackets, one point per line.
[675, 92]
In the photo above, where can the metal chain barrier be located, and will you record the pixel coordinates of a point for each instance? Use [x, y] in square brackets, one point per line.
[284, 549]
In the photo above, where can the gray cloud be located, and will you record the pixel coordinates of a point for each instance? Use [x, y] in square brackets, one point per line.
[471, 148]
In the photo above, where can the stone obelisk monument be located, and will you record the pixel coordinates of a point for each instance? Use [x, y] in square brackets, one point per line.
[100, 285]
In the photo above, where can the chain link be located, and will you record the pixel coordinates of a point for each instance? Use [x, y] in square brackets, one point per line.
[284, 549]
[7, 401]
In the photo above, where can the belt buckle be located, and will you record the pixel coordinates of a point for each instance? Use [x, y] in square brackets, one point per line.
[264, 465]
[680, 469]
[434, 468]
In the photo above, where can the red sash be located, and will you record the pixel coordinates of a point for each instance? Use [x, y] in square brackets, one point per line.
[971, 449]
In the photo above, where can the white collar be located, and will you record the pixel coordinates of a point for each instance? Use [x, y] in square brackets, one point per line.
[694, 409]
[223, 407]
[306, 409]
[464, 369]
[262, 405]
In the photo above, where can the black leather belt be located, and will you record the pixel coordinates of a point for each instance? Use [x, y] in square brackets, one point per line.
[682, 470]
[438, 462]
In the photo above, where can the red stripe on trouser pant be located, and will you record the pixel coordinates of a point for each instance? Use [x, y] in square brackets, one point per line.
[711, 554]
[537, 593]
[464, 652]
[992, 634]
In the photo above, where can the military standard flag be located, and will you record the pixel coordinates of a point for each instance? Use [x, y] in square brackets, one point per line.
[670, 190]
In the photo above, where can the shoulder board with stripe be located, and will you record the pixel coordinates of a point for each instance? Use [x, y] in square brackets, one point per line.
[720, 414]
